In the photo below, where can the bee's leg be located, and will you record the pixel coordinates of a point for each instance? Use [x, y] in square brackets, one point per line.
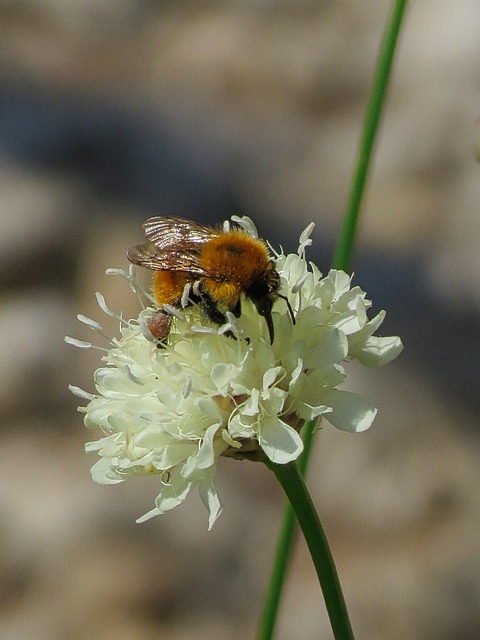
[210, 307]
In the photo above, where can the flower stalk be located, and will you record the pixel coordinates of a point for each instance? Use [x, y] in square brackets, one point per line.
[297, 493]
[273, 595]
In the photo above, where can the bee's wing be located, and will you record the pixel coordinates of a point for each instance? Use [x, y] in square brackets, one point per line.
[171, 259]
[172, 232]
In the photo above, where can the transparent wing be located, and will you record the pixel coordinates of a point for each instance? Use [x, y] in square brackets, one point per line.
[172, 232]
[171, 259]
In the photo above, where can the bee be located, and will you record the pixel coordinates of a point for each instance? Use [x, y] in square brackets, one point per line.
[220, 267]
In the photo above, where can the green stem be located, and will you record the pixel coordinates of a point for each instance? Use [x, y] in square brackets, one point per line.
[277, 580]
[344, 248]
[296, 491]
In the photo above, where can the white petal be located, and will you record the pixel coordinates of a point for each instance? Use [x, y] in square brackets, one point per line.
[340, 280]
[367, 330]
[123, 423]
[270, 376]
[132, 377]
[210, 499]
[221, 375]
[173, 493]
[280, 442]
[250, 407]
[351, 412]
[358, 338]
[296, 372]
[171, 455]
[205, 457]
[350, 322]
[240, 426]
[114, 383]
[310, 412]
[151, 514]
[99, 411]
[171, 401]
[103, 472]
[111, 446]
[274, 401]
[207, 407]
[330, 346]
[377, 351]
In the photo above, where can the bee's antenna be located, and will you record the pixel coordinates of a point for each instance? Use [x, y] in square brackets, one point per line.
[289, 307]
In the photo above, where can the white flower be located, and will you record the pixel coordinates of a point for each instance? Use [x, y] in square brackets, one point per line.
[173, 411]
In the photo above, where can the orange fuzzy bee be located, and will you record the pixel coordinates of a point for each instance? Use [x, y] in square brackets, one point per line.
[220, 265]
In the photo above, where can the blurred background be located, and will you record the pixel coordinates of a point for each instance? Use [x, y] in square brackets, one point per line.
[115, 110]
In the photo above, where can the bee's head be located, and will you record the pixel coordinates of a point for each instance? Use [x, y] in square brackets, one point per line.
[263, 293]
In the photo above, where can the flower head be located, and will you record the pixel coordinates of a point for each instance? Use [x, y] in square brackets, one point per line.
[212, 391]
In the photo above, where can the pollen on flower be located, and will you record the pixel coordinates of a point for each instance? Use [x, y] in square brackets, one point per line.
[227, 391]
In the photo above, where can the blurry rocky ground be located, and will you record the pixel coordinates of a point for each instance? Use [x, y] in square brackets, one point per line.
[115, 110]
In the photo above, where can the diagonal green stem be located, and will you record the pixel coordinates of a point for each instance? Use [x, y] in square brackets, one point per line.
[341, 260]
[274, 592]
[344, 248]
[296, 491]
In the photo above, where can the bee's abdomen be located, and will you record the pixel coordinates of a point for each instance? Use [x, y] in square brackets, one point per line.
[167, 286]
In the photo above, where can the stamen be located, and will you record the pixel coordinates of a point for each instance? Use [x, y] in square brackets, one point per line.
[172, 311]
[103, 306]
[246, 224]
[96, 326]
[81, 344]
[187, 387]
[231, 325]
[132, 283]
[274, 251]
[196, 328]
[138, 289]
[304, 240]
[80, 393]
[230, 441]
[116, 272]
[185, 295]
[299, 283]
[196, 288]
